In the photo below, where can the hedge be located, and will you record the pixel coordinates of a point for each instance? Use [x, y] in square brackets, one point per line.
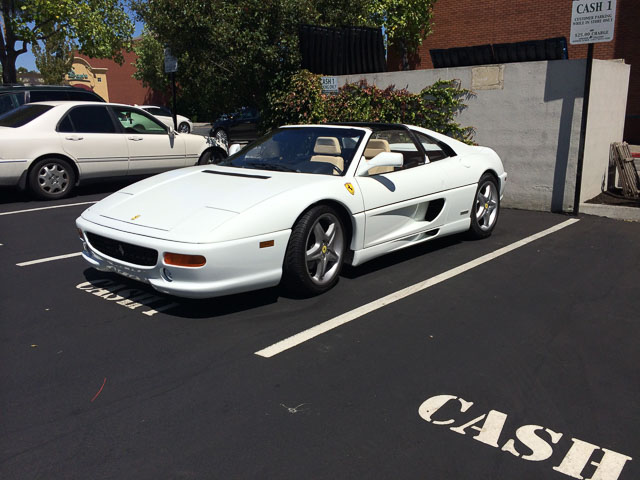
[300, 101]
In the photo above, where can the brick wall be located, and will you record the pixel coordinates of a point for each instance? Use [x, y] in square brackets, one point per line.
[464, 23]
[123, 88]
[627, 46]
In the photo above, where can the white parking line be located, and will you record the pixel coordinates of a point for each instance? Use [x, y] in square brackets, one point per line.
[47, 208]
[347, 317]
[49, 259]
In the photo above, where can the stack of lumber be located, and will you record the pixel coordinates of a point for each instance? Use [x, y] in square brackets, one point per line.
[620, 156]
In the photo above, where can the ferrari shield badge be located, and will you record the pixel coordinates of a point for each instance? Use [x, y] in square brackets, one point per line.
[350, 188]
[135, 218]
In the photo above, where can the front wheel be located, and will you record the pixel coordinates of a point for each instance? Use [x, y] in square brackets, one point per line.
[52, 178]
[221, 136]
[486, 207]
[315, 253]
[184, 128]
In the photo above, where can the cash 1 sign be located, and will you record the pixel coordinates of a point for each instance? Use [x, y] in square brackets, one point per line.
[592, 21]
[534, 443]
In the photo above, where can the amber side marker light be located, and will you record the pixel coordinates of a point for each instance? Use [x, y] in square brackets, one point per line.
[180, 260]
[268, 243]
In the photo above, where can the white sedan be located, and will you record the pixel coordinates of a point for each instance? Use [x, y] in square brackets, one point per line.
[49, 147]
[294, 207]
[165, 116]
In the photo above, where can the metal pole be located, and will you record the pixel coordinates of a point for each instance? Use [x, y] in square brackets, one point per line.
[173, 108]
[583, 130]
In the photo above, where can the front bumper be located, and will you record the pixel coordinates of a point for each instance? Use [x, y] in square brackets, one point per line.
[232, 267]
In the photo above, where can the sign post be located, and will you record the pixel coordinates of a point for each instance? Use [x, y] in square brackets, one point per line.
[591, 22]
[171, 67]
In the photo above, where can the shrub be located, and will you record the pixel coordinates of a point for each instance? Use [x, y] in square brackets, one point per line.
[300, 101]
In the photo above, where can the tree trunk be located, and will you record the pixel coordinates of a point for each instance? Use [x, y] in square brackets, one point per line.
[405, 56]
[9, 72]
[8, 53]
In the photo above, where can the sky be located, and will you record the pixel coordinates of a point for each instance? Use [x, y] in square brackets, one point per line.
[28, 61]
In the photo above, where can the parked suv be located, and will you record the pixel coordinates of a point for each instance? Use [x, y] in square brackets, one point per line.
[12, 96]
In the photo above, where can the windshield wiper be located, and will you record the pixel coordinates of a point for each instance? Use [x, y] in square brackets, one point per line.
[271, 166]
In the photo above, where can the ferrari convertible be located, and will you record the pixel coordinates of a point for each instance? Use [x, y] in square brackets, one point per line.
[293, 207]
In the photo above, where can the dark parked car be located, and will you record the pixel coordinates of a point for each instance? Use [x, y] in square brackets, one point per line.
[12, 96]
[240, 126]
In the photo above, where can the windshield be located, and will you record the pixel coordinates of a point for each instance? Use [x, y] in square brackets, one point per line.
[320, 150]
[22, 115]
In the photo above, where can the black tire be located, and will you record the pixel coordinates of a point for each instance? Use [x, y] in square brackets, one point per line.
[312, 264]
[485, 208]
[52, 178]
[210, 157]
[221, 135]
[184, 128]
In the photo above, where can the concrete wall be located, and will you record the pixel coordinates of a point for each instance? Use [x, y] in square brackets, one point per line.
[605, 125]
[530, 114]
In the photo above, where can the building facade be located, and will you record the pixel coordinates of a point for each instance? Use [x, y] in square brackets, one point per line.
[465, 23]
[113, 82]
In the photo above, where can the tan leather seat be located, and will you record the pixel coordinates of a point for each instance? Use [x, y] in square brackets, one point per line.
[374, 147]
[327, 150]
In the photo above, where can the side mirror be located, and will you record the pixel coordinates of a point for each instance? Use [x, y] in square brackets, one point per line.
[171, 131]
[235, 148]
[383, 159]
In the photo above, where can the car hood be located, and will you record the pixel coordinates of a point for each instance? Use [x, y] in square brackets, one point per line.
[187, 205]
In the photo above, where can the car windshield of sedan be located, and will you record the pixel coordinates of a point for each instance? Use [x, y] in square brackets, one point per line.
[320, 150]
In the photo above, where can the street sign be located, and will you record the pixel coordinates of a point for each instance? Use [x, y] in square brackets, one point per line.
[329, 84]
[170, 62]
[592, 21]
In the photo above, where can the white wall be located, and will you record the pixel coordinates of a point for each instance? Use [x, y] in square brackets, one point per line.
[605, 125]
[530, 114]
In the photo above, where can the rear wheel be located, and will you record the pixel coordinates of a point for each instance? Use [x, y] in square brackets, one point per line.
[210, 157]
[486, 207]
[315, 252]
[183, 127]
[52, 178]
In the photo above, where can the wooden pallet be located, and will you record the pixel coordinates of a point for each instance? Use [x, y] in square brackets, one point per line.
[620, 155]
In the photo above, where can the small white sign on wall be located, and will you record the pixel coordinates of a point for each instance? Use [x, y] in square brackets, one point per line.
[330, 84]
[592, 21]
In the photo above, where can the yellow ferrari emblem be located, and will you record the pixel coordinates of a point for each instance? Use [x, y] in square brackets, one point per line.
[324, 249]
[350, 188]
[135, 218]
[486, 206]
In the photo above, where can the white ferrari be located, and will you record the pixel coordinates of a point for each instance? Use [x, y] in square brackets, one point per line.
[293, 207]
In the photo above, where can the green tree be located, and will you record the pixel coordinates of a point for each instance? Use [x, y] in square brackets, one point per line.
[54, 58]
[150, 62]
[101, 28]
[406, 22]
[231, 53]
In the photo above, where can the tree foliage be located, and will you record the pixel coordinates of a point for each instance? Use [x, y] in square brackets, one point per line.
[150, 62]
[406, 22]
[230, 53]
[101, 28]
[54, 58]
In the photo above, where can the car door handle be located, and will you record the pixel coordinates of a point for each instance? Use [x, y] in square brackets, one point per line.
[135, 139]
[74, 138]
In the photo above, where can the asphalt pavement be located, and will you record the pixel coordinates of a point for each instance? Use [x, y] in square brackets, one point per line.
[510, 357]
